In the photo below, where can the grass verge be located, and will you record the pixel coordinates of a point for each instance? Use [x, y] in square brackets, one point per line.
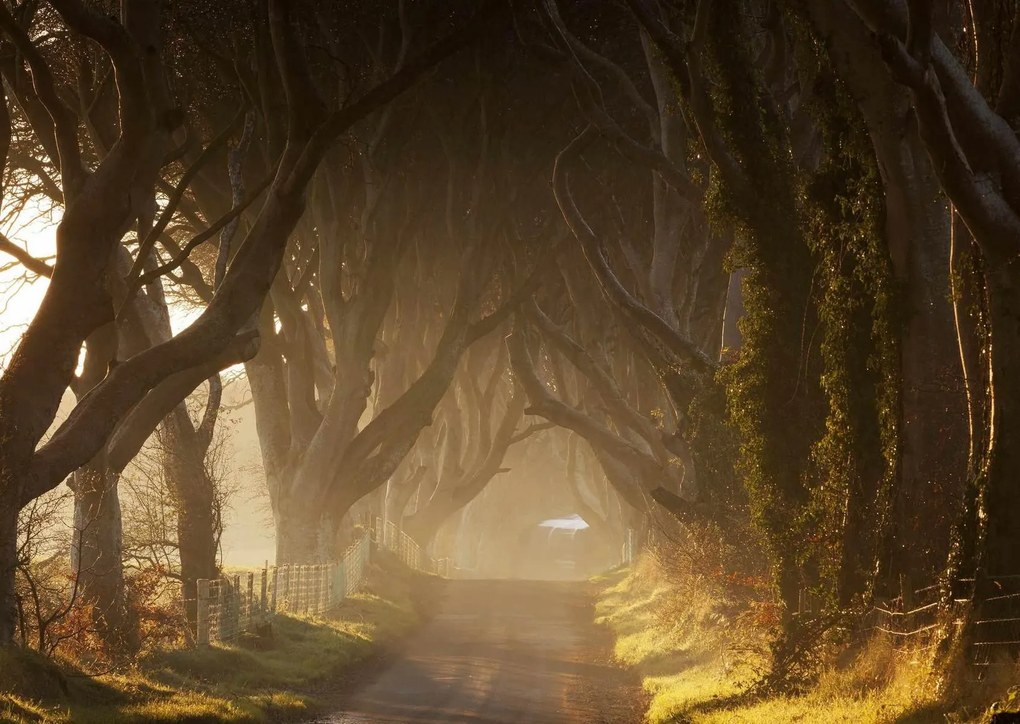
[291, 674]
[696, 665]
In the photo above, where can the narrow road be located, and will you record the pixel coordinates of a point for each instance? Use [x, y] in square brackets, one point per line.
[502, 651]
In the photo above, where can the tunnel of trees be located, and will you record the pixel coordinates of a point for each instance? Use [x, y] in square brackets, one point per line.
[736, 274]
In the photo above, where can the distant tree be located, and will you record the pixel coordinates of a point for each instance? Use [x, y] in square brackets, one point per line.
[484, 417]
[394, 277]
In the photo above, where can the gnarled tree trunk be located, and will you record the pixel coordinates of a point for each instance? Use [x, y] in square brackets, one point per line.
[97, 552]
[8, 554]
[198, 524]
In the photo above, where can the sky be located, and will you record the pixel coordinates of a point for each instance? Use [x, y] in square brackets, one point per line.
[19, 298]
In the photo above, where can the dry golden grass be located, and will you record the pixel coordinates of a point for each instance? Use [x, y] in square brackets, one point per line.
[697, 667]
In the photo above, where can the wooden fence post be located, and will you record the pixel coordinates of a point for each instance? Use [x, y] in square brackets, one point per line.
[330, 586]
[313, 591]
[263, 596]
[317, 600]
[235, 608]
[308, 576]
[309, 589]
[202, 609]
[249, 624]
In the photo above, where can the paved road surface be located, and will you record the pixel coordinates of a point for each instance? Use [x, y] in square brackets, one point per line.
[502, 651]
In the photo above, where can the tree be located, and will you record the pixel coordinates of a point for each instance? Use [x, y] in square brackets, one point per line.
[917, 232]
[101, 204]
[973, 148]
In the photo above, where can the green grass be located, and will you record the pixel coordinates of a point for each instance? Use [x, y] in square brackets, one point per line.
[268, 679]
[696, 669]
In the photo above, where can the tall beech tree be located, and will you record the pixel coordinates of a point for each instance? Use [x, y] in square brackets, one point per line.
[917, 233]
[96, 546]
[777, 395]
[967, 125]
[102, 201]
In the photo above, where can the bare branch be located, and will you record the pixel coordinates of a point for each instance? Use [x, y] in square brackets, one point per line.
[34, 265]
[64, 121]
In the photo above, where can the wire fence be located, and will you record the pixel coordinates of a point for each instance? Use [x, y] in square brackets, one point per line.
[910, 620]
[916, 620]
[629, 549]
[995, 634]
[231, 606]
[388, 535]
[912, 624]
[996, 628]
